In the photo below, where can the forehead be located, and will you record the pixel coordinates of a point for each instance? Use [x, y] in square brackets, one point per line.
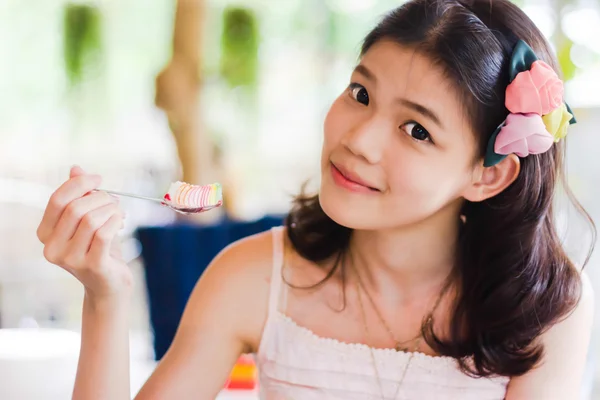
[402, 72]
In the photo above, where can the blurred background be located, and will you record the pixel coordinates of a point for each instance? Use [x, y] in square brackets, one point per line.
[146, 93]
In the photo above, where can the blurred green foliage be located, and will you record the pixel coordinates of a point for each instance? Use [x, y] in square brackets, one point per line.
[239, 47]
[82, 39]
[569, 69]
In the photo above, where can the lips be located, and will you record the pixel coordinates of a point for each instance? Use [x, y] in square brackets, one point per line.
[350, 180]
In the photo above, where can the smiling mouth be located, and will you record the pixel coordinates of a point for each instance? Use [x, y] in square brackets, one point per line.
[344, 180]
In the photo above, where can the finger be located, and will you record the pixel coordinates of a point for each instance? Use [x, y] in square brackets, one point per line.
[80, 212]
[72, 189]
[76, 170]
[81, 242]
[103, 238]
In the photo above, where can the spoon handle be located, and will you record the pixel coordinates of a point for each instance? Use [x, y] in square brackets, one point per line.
[135, 196]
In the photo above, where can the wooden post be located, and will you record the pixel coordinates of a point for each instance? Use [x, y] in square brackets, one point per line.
[178, 90]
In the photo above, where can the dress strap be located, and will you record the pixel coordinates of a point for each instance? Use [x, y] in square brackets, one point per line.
[275, 290]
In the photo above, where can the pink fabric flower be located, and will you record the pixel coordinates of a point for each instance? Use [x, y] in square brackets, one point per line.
[523, 134]
[538, 91]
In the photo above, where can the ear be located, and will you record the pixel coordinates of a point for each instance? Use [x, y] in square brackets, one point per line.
[489, 181]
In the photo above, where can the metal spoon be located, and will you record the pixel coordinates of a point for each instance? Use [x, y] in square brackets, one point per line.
[173, 207]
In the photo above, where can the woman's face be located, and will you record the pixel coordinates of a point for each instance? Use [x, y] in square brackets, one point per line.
[398, 148]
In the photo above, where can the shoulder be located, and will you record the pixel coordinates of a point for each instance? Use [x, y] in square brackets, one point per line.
[574, 326]
[573, 331]
[578, 322]
[566, 344]
[223, 318]
[583, 312]
[236, 287]
[587, 301]
[250, 257]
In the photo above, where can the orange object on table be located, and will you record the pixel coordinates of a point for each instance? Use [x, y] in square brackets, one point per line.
[243, 376]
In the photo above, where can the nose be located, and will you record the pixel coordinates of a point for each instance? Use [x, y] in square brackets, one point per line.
[367, 139]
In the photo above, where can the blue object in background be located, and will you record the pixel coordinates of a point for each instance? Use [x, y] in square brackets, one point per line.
[175, 256]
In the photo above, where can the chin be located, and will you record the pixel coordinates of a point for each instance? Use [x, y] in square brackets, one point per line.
[348, 212]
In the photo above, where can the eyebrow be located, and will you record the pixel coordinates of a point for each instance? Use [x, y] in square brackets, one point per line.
[421, 109]
[424, 111]
[364, 71]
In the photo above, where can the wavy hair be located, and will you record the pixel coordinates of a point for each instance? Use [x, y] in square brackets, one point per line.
[514, 275]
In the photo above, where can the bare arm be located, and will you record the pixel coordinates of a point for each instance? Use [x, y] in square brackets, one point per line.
[103, 369]
[224, 318]
[78, 231]
[566, 346]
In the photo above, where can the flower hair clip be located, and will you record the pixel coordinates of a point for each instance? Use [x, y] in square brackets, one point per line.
[538, 115]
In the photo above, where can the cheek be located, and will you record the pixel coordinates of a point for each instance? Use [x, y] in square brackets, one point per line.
[332, 132]
[425, 180]
[410, 177]
[336, 123]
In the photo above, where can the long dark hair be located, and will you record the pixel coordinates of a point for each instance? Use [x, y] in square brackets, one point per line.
[514, 276]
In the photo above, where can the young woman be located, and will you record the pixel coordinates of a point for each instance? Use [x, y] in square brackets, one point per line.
[427, 267]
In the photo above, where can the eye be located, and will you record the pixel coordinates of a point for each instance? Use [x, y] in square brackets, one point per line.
[359, 93]
[416, 131]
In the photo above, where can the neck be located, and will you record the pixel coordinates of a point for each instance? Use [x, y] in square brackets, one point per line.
[408, 262]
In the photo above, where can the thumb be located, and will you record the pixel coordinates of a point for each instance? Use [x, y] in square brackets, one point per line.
[76, 170]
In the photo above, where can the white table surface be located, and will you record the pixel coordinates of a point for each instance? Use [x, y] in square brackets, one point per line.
[40, 364]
